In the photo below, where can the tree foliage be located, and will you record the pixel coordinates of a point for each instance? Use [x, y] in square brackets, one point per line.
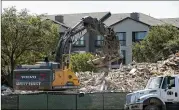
[79, 62]
[25, 37]
[160, 42]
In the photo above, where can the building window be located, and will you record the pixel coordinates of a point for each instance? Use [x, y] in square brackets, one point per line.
[121, 36]
[116, 62]
[138, 36]
[99, 41]
[123, 52]
[80, 42]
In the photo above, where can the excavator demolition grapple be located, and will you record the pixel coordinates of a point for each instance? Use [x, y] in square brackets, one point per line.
[58, 75]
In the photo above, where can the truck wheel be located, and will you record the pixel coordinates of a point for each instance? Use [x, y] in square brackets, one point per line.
[151, 107]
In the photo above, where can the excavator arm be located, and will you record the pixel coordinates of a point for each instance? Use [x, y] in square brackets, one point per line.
[110, 48]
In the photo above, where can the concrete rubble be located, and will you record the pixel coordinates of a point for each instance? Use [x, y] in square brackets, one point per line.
[128, 78]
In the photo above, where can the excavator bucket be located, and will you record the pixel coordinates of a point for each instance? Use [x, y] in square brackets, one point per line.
[100, 62]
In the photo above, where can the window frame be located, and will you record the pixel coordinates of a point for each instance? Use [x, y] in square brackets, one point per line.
[80, 45]
[134, 37]
[164, 83]
[173, 85]
[101, 40]
[124, 38]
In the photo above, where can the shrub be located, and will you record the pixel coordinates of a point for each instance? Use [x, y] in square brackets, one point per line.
[79, 62]
[160, 42]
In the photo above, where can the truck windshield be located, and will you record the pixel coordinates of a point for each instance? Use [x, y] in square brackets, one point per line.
[154, 83]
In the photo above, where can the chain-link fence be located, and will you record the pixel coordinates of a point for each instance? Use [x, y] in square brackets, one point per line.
[56, 100]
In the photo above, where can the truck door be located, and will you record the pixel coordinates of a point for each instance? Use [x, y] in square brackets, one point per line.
[170, 94]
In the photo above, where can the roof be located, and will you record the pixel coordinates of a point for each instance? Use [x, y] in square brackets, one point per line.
[62, 24]
[142, 18]
[129, 18]
[71, 19]
[173, 21]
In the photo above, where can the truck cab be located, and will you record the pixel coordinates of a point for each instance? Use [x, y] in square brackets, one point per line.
[160, 93]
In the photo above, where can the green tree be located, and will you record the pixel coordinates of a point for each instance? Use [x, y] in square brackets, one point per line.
[79, 62]
[25, 37]
[160, 42]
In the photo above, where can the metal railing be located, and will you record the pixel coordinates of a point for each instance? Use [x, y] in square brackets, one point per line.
[57, 100]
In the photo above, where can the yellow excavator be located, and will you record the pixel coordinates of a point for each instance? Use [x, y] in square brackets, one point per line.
[58, 75]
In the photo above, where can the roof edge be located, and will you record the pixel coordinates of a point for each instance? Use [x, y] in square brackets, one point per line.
[78, 13]
[62, 24]
[168, 18]
[126, 19]
[167, 24]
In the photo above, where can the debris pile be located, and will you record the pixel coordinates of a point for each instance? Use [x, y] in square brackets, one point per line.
[128, 78]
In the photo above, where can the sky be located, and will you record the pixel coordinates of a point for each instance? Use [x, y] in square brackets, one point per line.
[157, 9]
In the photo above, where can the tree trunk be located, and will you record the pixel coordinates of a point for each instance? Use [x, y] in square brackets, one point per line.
[11, 72]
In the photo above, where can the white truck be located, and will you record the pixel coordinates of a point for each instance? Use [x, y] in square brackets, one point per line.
[161, 93]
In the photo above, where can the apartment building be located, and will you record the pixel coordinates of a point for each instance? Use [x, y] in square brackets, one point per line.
[129, 28]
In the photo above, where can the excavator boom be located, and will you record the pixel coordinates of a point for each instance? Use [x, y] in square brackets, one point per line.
[89, 24]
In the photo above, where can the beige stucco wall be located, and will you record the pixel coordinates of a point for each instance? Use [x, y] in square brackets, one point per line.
[129, 26]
